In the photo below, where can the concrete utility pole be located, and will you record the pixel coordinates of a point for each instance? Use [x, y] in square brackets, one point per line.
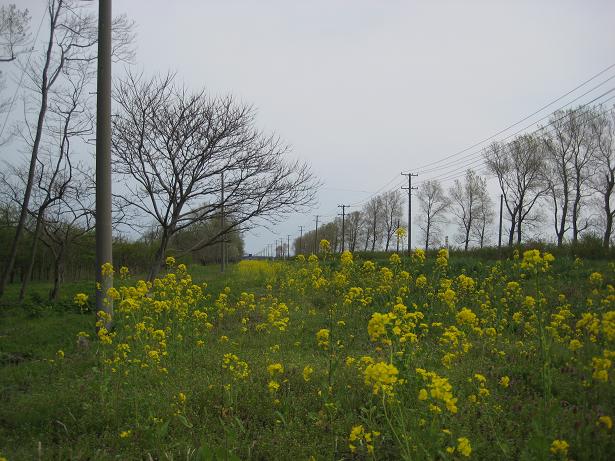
[500, 231]
[316, 248]
[343, 207]
[223, 236]
[300, 240]
[288, 246]
[409, 189]
[104, 250]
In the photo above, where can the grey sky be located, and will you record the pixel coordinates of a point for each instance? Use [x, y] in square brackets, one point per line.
[365, 89]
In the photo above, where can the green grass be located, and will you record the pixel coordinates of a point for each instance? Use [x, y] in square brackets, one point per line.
[76, 407]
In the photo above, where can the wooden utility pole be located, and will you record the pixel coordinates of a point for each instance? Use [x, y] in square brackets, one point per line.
[397, 234]
[300, 240]
[343, 207]
[223, 236]
[409, 189]
[316, 248]
[104, 251]
[500, 230]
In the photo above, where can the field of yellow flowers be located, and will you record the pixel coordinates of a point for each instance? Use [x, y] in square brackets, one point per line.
[331, 357]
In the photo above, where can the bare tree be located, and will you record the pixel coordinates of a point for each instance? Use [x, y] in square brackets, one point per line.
[603, 180]
[484, 215]
[67, 220]
[518, 167]
[391, 213]
[433, 205]
[372, 222]
[578, 124]
[173, 145]
[69, 109]
[72, 36]
[14, 24]
[353, 226]
[466, 205]
[559, 172]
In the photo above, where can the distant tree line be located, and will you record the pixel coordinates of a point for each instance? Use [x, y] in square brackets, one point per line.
[557, 184]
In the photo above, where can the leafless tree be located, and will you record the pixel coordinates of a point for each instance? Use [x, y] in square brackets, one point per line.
[353, 228]
[484, 215]
[372, 222]
[583, 146]
[433, 204]
[172, 147]
[559, 171]
[391, 213]
[67, 220]
[70, 44]
[518, 166]
[14, 24]
[466, 204]
[603, 179]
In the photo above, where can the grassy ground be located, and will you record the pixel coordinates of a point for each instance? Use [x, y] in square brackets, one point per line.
[63, 398]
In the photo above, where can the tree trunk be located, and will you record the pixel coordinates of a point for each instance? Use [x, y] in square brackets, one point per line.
[159, 257]
[608, 229]
[33, 158]
[28, 275]
[58, 275]
[575, 216]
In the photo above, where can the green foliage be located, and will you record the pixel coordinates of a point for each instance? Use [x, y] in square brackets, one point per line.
[89, 401]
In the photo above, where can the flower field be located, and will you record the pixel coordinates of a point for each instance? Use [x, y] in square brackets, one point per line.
[331, 358]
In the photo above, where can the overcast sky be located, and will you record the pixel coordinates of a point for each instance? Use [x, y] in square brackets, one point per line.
[363, 90]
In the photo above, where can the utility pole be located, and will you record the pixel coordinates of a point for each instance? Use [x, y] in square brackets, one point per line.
[300, 240]
[500, 231]
[397, 233]
[223, 241]
[343, 207]
[316, 238]
[409, 189]
[288, 245]
[104, 250]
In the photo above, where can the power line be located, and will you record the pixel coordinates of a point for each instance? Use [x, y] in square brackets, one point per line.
[528, 126]
[523, 119]
[480, 161]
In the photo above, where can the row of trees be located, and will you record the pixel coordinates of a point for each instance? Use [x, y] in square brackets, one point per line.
[191, 170]
[561, 177]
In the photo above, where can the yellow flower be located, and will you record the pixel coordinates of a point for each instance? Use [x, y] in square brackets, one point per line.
[181, 398]
[574, 345]
[605, 422]
[307, 373]
[504, 381]
[123, 272]
[559, 447]
[125, 434]
[170, 261]
[463, 446]
[273, 386]
[596, 279]
[80, 299]
[381, 376]
[346, 258]
[107, 270]
[421, 281]
[325, 246]
[275, 368]
[60, 354]
[423, 394]
[322, 337]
